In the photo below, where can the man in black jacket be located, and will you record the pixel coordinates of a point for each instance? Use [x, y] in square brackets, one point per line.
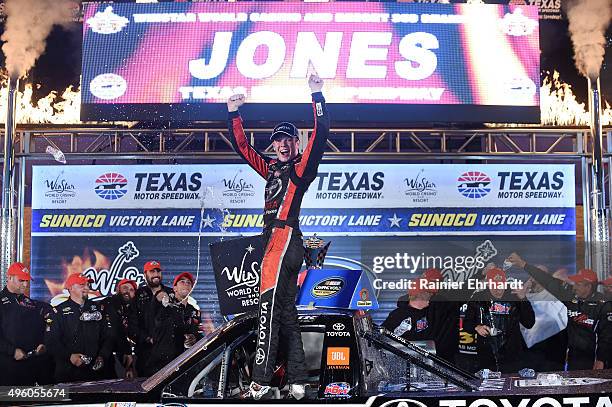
[23, 358]
[141, 320]
[607, 288]
[607, 292]
[80, 334]
[174, 326]
[589, 317]
[118, 308]
[413, 319]
[494, 314]
[419, 317]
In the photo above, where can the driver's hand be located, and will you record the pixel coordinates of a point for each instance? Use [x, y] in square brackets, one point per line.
[315, 83]
[235, 101]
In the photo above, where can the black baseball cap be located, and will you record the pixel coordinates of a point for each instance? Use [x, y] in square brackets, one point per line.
[284, 129]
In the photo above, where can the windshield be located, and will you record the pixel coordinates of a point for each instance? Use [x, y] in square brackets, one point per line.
[200, 345]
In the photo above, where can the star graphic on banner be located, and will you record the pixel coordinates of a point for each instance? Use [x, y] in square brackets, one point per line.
[208, 221]
[395, 221]
[250, 249]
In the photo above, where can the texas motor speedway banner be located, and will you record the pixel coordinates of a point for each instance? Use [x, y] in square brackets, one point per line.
[109, 220]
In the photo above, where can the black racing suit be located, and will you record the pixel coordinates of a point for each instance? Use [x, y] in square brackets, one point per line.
[75, 329]
[589, 322]
[118, 313]
[286, 183]
[429, 323]
[22, 325]
[411, 323]
[140, 325]
[168, 328]
[501, 351]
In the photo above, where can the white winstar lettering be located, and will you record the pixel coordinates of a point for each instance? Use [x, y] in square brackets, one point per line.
[364, 49]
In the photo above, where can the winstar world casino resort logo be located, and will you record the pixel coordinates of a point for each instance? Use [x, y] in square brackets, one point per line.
[58, 190]
[111, 186]
[474, 184]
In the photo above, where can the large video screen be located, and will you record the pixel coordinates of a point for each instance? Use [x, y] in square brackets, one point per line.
[381, 62]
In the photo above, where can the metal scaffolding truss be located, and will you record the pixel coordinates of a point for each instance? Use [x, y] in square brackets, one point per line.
[344, 143]
[351, 144]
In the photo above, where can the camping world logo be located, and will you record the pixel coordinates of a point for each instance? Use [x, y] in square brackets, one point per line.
[111, 186]
[474, 184]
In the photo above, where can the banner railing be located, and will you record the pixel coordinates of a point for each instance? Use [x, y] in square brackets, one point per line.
[343, 143]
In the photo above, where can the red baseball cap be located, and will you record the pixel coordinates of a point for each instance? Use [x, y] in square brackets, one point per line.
[20, 271]
[76, 278]
[126, 281]
[152, 265]
[416, 287]
[496, 274]
[187, 275]
[607, 282]
[433, 274]
[584, 276]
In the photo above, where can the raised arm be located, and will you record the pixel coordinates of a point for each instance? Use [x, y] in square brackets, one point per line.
[241, 145]
[554, 286]
[307, 168]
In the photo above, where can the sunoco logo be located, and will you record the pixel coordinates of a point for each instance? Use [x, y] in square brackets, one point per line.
[328, 287]
[111, 186]
[474, 184]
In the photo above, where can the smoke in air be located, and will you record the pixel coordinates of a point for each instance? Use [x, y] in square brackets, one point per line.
[28, 23]
[588, 21]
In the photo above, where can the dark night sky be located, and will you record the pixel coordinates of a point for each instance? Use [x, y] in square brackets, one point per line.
[60, 65]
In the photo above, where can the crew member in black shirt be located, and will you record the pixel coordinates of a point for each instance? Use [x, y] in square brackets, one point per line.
[141, 322]
[80, 334]
[494, 314]
[589, 316]
[118, 308]
[23, 358]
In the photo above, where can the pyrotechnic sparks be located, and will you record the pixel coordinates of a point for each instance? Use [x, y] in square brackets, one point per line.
[558, 104]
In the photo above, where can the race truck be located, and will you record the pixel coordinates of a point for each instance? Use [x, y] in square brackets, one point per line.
[348, 357]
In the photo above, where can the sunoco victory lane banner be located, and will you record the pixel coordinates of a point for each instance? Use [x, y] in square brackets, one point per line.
[368, 53]
[367, 199]
[109, 220]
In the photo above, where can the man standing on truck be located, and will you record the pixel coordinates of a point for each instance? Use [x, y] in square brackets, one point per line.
[287, 179]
